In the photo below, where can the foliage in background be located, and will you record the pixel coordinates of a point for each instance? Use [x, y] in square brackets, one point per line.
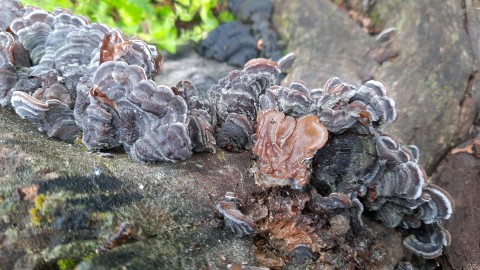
[166, 23]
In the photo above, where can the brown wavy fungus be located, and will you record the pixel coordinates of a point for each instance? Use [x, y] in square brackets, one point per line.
[285, 146]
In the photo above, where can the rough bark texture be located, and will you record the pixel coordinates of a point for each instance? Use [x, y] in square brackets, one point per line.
[460, 175]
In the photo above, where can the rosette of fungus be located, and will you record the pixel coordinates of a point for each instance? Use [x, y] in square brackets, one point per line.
[118, 105]
[341, 106]
[235, 101]
[49, 108]
[295, 100]
[285, 146]
[71, 59]
[32, 30]
[116, 47]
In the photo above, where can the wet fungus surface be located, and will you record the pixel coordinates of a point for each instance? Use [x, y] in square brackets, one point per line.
[284, 145]
[328, 177]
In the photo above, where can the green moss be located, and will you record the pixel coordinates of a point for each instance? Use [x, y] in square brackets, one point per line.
[66, 264]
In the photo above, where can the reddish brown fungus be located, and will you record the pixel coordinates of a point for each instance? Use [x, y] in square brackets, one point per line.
[284, 144]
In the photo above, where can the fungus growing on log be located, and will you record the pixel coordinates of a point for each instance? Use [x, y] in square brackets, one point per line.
[234, 102]
[294, 100]
[237, 222]
[285, 146]
[68, 76]
[428, 242]
[199, 128]
[49, 108]
[120, 106]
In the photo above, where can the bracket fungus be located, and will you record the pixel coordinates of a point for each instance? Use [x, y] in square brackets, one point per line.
[340, 106]
[199, 128]
[234, 219]
[235, 99]
[322, 158]
[118, 105]
[49, 108]
[32, 30]
[359, 168]
[428, 242]
[294, 100]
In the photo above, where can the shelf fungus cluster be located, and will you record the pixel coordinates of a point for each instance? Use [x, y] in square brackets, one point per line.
[325, 169]
[324, 162]
[69, 76]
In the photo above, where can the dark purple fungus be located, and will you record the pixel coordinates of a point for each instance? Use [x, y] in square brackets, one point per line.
[359, 174]
[116, 47]
[71, 59]
[49, 108]
[340, 106]
[294, 100]
[235, 100]
[237, 222]
[9, 10]
[406, 180]
[236, 133]
[6, 47]
[8, 76]
[438, 207]
[64, 22]
[333, 106]
[374, 95]
[428, 241]
[199, 128]
[343, 165]
[50, 116]
[119, 106]
[32, 30]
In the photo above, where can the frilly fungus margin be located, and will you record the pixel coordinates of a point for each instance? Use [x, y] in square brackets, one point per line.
[108, 94]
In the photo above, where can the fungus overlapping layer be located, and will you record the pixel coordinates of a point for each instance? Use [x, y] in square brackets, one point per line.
[359, 168]
[119, 105]
[69, 76]
[235, 102]
[102, 76]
